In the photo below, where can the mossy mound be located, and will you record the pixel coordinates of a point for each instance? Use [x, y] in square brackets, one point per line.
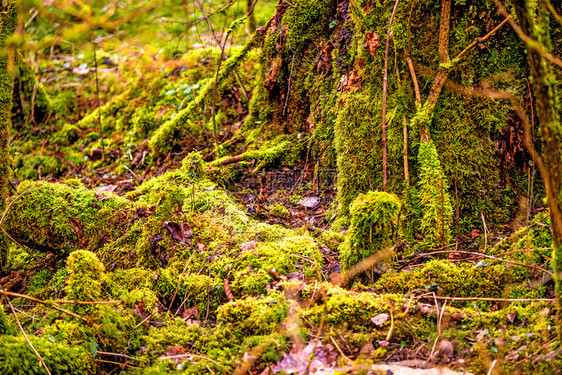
[374, 223]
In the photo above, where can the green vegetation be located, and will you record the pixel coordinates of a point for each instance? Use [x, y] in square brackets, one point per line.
[188, 188]
[374, 223]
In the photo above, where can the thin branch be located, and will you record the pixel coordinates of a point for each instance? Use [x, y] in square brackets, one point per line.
[553, 11]
[482, 39]
[115, 363]
[531, 43]
[415, 81]
[41, 361]
[179, 280]
[99, 104]
[496, 299]
[120, 355]
[289, 85]
[384, 88]
[17, 295]
[483, 256]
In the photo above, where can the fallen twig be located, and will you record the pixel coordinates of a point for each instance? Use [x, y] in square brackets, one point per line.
[479, 255]
[86, 320]
[41, 361]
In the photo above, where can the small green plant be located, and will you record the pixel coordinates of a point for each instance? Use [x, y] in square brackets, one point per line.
[279, 210]
[374, 217]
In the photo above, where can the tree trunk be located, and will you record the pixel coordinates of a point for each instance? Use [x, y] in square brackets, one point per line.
[8, 19]
[545, 91]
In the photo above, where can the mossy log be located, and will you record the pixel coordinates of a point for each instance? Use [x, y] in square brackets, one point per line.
[59, 218]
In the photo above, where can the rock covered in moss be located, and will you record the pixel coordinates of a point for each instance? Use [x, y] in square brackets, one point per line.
[373, 222]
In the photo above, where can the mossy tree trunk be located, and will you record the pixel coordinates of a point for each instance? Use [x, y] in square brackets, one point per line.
[251, 23]
[8, 19]
[322, 78]
[546, 92]
[434, 197]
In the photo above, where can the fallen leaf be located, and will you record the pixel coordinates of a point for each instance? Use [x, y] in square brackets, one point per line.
[372, 41]
[511, 317]
[180, 232]
[106, 189]
[299, 360]
[368, 349]
[248, 246]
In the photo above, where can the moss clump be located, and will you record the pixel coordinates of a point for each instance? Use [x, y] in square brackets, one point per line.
[17, 358]
[60, 218]
[279, 210]
[193, 164]
[434, 198]
[445, 278]
[374, 218]
[266, 155]
[86, 275]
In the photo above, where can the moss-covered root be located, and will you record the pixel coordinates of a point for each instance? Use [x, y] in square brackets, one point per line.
[434, 197]
[265, 155]
[163, 139]
[8, 19]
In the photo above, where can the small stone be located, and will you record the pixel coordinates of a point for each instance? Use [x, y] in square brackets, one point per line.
[310, 202]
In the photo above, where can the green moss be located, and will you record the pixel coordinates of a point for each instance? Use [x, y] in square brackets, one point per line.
[39, 283]
[357, 162]
[86, 275]
[279, 210]
[373, 224]
[5, 326]
[252, 270]
[251, 316]
[450, 279]
[8, 18]
[17, 358]
[434, 198]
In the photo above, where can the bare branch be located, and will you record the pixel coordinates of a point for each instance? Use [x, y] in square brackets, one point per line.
[41, 361]
[480, 40]
[531, 43]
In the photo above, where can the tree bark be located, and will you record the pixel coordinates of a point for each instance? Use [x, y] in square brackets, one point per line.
[545, 91]
[8, 19]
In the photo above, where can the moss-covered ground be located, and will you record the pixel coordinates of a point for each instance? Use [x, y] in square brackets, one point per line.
[170, 215]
